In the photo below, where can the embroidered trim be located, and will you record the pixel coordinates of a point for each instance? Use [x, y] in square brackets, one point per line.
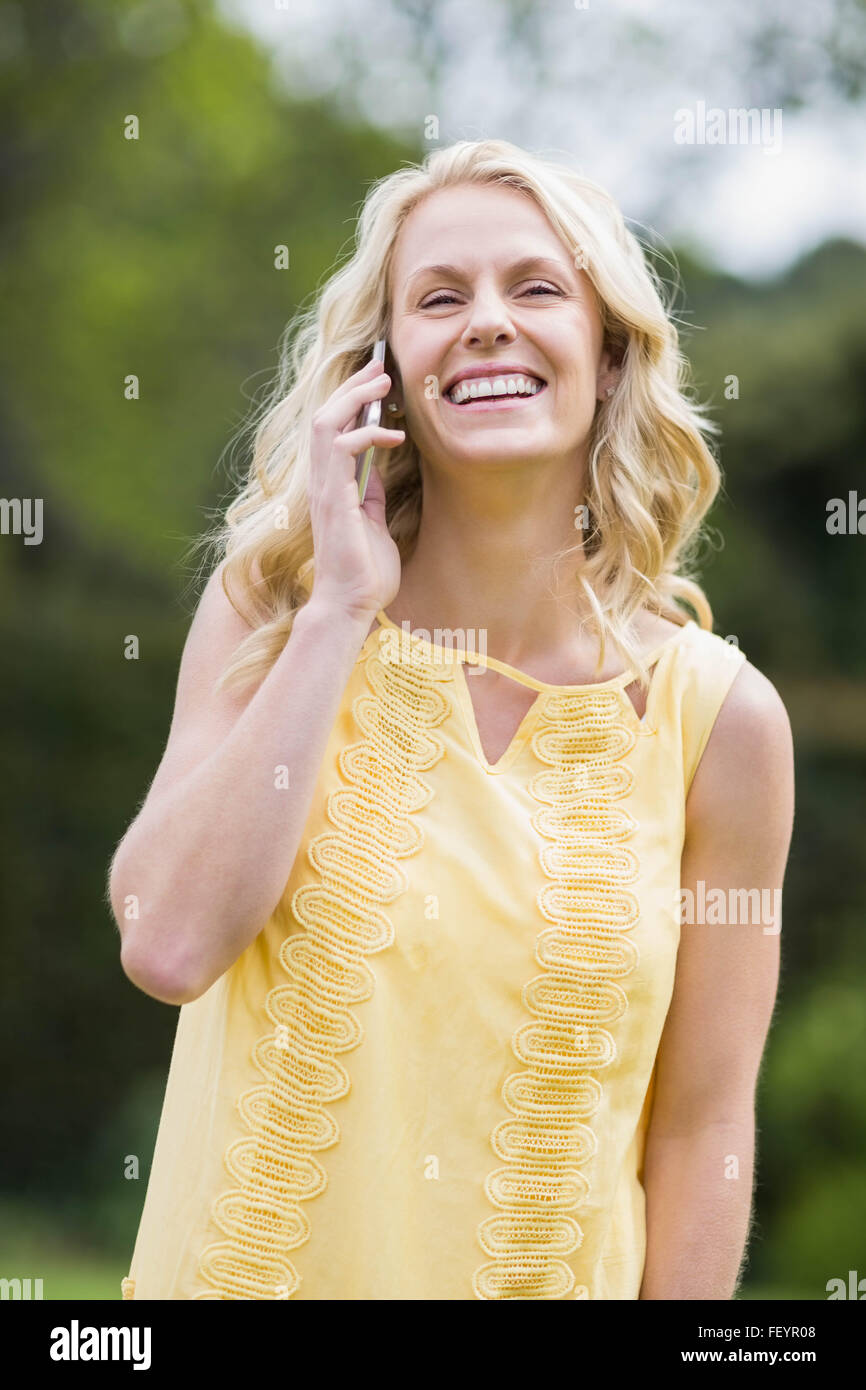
[584, 955]
[342, 921]
[127, 1287]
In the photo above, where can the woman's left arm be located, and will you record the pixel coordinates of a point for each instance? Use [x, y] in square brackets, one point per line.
[700, 1147]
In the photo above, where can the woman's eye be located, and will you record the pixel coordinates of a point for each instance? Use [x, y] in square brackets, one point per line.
[444, 298]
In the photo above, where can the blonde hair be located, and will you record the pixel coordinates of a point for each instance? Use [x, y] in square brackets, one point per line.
[651, 474]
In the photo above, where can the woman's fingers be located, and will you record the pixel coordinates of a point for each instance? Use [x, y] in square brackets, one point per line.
[357, 562]
[353, 389]
[346, 447]
[336, 422]
[343, 406]
[353, 442]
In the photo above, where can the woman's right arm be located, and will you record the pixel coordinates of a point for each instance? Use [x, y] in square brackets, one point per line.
[207, 860]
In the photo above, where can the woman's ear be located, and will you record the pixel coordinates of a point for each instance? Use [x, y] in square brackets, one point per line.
[609, 370]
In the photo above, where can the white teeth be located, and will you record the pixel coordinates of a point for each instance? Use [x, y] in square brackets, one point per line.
[473, 387]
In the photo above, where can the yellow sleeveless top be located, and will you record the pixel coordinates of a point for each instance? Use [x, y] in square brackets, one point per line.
[430, 1075]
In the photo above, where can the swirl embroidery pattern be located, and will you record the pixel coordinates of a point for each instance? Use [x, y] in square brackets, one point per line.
[343, 920]
[583, 955]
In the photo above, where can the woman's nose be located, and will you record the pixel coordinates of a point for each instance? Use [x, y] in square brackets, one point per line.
[489, 320]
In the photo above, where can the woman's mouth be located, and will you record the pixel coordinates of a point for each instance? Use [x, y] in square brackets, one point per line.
[510, 391]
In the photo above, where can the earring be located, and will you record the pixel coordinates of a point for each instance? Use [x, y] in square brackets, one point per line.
[609, 392]
[393, 408]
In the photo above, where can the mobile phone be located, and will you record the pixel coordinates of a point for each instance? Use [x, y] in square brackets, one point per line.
[370, 415]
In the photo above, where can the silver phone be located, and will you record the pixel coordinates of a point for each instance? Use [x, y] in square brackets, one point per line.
[370, 415]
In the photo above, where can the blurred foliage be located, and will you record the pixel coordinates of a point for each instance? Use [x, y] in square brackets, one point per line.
[156, 257]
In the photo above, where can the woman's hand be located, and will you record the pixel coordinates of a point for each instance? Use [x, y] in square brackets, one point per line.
[356, 562]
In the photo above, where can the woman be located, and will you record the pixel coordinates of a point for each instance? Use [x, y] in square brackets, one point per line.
[446, 1032]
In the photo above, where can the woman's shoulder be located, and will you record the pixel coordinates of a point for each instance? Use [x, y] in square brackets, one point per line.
[653, 631]
[734, 718]
[650, 630]
[745, 763]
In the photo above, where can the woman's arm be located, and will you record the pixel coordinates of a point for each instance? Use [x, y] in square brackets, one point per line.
[207, 859]
[699, 1159]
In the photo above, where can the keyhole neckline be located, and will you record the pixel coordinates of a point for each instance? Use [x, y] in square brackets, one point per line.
[441, 654]
[459, 660]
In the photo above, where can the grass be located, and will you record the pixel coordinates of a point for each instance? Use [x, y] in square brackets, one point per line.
[36, 1245]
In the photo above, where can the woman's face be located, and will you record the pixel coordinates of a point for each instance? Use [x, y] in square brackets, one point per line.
[511, 298]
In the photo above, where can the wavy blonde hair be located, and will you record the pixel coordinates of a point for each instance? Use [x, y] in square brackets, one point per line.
[651, 474]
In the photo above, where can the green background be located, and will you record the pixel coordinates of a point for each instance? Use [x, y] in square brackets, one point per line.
[156, 257]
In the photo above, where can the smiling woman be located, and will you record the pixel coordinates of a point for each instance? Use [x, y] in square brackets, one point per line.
[441, 1035]
[508, 384]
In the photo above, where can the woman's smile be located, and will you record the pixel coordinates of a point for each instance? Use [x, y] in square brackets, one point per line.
[488, 395]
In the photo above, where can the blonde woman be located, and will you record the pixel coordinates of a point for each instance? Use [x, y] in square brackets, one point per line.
[443, 771]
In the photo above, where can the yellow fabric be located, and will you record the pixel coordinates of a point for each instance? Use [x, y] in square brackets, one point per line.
[430, 1074]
